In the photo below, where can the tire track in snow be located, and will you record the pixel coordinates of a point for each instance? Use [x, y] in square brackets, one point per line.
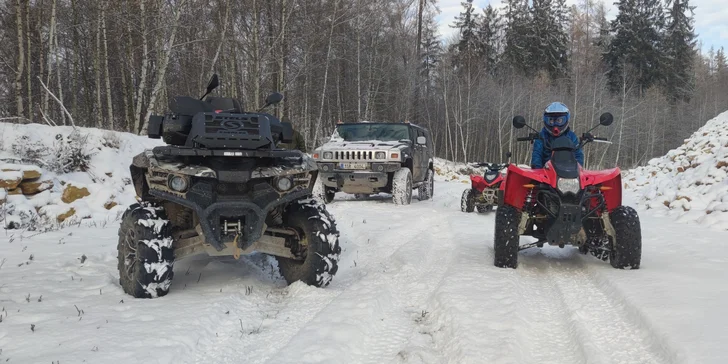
[370, 322]
[283, 319]
[610, 331]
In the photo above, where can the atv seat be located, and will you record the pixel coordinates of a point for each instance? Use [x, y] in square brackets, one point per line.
[225, 104]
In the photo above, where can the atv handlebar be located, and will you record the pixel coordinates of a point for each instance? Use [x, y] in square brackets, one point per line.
[523, 139]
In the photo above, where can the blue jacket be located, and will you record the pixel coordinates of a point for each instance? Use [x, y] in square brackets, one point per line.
[542, 148]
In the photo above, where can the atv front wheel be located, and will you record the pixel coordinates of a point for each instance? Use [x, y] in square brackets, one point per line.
[427, 188]
[318, 244]
[145, 255]
[507, 239]
[402, 187]
[627, 246]
[467, 202]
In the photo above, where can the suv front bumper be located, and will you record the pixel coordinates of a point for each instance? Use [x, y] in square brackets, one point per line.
[373, 180]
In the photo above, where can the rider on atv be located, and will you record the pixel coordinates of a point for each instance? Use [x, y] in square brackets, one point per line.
[556, 123]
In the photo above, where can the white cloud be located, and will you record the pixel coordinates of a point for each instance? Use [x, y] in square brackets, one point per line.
[711, 18]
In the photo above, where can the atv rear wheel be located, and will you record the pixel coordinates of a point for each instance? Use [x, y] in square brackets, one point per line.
[484, 208]
[318, 244]
[427, 188]
[467, 202]
[627, 246]
[506, 239]
[145, 255]
[402, 187]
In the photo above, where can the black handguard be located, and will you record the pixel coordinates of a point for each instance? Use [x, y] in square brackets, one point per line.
[524, 139]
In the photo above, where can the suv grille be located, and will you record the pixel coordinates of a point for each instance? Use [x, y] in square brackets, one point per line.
[358, 155]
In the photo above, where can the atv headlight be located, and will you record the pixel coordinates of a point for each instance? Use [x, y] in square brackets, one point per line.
[284, 184]
[328, 155]
[568, 185]
[380, 155]
[177, 183]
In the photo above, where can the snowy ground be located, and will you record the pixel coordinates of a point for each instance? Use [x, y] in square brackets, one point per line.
[416, 285]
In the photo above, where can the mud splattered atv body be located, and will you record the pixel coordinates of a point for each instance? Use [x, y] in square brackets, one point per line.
[564, 204]
[223, 188]
[485, 191]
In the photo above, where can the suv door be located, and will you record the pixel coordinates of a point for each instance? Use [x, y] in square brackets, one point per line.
[420, 159]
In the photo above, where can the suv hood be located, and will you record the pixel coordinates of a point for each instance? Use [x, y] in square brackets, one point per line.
[362, 145]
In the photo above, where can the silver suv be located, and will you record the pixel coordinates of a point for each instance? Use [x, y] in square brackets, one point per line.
[367, 158]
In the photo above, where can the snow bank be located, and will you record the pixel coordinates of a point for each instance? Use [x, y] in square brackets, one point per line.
[51, 159]
[690, 181]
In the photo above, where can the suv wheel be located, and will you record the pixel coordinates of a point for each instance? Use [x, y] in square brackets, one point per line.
[427, 189]
[402, 187]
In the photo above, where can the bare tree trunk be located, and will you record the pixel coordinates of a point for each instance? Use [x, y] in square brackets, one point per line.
[28, 59]
[317, 127]
[145, 64]
[21, 61]
[109, 105]
[98, 108]
[163, 62]
[58, 77]
[51, 51]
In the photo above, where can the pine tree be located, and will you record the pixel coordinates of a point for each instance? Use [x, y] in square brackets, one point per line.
[488, 38]
[680, 52]
[466, 50]
[516, 53]
[548, 40]
[635, 48]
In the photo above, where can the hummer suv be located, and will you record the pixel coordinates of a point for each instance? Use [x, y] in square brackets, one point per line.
[372, 157]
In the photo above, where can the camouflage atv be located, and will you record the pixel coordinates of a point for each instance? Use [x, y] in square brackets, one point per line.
[222, 187]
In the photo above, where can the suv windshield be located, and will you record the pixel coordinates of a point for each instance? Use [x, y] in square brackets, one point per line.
[365, 132]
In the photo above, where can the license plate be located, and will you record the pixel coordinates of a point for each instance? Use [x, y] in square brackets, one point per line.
[353, 165]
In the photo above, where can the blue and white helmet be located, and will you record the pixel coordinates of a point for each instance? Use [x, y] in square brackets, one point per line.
[556, 118]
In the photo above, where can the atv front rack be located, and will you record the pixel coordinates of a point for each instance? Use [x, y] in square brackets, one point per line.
[173, 151]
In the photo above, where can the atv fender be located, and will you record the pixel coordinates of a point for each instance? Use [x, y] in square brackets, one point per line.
[514, 192]
[611, 182]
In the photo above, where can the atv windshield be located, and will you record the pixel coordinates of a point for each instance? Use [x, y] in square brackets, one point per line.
[563, 157]
[365, 132]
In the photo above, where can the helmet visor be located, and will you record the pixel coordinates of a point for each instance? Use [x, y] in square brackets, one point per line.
[556, 120]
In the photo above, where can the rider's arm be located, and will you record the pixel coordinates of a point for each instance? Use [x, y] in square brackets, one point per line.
[537, 154]
[579, 154]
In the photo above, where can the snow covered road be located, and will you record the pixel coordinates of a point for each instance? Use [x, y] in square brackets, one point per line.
[416, 284]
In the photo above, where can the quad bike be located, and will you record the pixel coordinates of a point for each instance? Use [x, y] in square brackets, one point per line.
[564, 204]
[485, 191]
[222, 187]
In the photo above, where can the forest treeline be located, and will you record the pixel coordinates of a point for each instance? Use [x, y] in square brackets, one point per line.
[111, 64]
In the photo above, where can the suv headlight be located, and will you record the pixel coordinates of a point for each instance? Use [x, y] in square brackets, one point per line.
[328, 155]
[380, 155]
[568, 185]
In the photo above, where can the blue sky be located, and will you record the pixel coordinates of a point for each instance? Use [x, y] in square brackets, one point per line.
[711, 18]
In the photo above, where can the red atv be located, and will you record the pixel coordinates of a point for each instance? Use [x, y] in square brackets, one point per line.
[564, 204]
[485, 191]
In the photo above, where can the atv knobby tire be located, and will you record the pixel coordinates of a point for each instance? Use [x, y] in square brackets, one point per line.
[506, 239]
[627, 246]
[467, 202]
[402, 187]
[320, 240]
[145, 254]
[427, 188]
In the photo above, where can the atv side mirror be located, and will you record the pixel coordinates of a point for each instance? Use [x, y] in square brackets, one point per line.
[606, 119]
[519, 122]
[508, 154]
[214, 82]
[273, 98]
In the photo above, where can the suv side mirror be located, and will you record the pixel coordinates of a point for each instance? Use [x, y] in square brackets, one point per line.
[421, 140]
[606, 119]
[214, 82]
[274, 98]
[519, 122]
